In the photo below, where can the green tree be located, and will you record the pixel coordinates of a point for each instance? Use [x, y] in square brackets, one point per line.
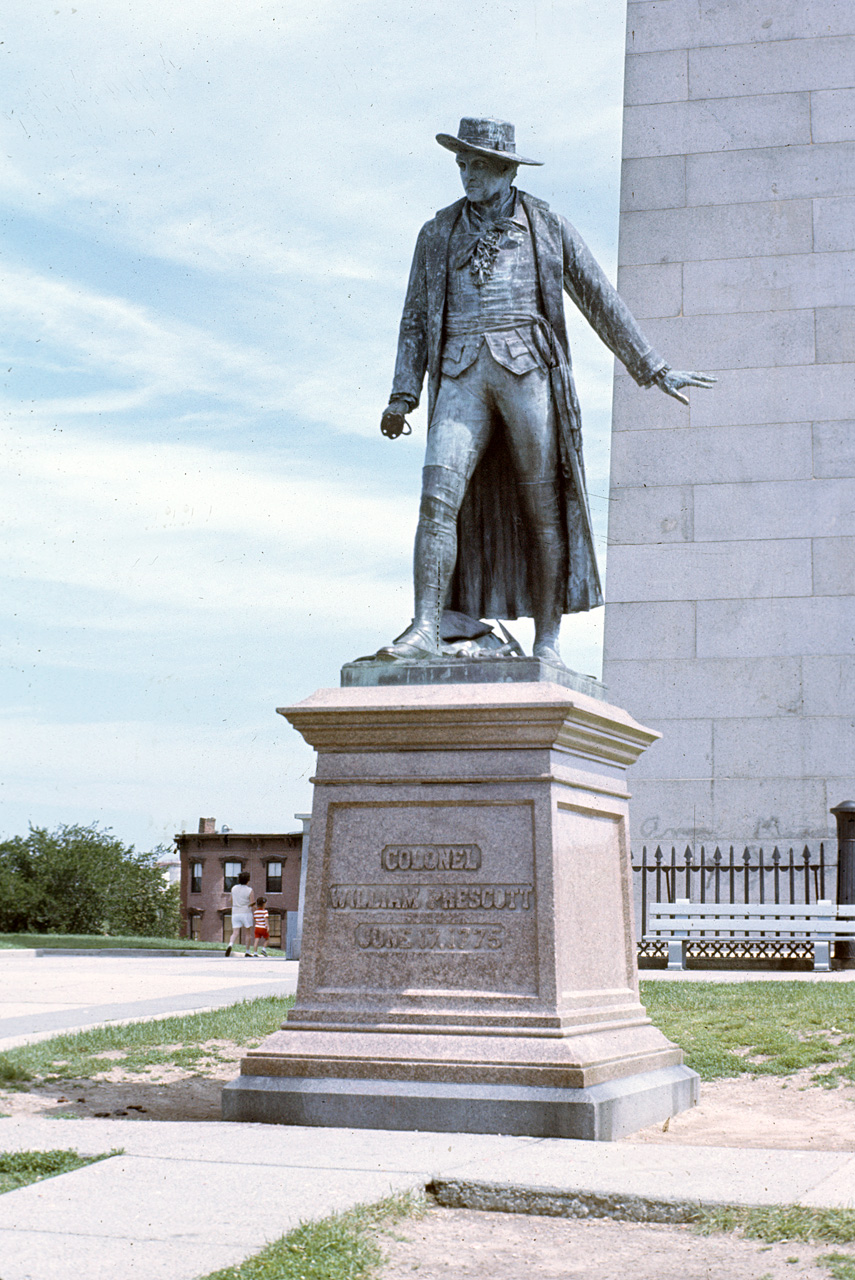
[83, 880]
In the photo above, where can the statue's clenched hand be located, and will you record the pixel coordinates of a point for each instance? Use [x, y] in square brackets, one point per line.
[671, 380]
[393, 423]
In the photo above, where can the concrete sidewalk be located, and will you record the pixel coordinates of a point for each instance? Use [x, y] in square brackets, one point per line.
[42, 996]
[187, 1198]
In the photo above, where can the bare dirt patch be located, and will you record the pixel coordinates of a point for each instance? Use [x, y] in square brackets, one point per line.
[159, 1093]
[764, 1111]
[464, 1244]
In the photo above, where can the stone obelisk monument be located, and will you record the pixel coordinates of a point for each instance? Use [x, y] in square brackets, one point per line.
[731, 591]
[468, 955]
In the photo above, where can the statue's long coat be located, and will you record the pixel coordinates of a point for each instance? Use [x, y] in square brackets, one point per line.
[491, 578]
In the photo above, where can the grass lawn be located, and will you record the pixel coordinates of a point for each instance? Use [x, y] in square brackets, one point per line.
[99, 942]
[781, 1222]
[759, 1028]
[343, 1246]
[139, 1046]
[789, 1222]
[18, 1168]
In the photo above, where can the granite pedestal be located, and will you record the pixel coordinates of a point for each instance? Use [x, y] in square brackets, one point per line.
[468, 958]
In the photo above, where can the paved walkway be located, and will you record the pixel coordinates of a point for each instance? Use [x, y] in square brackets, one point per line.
[41, 996]
[185, 1199]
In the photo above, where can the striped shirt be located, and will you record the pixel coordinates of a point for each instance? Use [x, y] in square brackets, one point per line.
[261, 917]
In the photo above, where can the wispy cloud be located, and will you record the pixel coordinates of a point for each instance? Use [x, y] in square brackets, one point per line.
[125, 340]
[188, 528]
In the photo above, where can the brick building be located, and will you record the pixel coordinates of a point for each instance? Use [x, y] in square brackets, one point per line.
[211, 862]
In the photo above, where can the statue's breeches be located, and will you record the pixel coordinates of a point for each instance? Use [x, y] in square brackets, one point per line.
[487, 397]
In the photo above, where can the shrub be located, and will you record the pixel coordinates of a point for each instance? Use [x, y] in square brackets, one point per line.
[83, 880]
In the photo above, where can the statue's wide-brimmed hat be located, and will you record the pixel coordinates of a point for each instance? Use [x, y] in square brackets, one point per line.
[491, 138]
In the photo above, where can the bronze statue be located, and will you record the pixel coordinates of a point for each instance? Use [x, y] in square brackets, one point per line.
[504, 529]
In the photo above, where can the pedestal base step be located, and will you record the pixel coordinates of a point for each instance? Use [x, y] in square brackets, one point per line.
[601, 1112]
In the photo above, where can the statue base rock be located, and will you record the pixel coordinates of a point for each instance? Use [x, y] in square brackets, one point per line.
[468, 958]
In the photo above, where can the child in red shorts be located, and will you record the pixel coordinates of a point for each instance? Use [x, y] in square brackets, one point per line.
[261, 920]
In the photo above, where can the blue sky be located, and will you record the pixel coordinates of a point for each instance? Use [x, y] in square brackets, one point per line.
[209, 210]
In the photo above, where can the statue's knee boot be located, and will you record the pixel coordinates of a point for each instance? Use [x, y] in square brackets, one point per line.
[548, 543]
[436, 546]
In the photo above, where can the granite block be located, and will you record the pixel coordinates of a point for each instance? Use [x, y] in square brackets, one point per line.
[794, 748]
[637, 409]
[683, 24]
[666, 628]
[652, 290]
[833, 115]
[713, 455]
[657, 183]
[716, 231]
[835, 333]
[771, 173]
[771, 808]
[834, 566]
[711, 570]
[759, 629]
[786, 282]
[834, 224]
[668, 809]
[727, 22]
[676, 129]
[744, 341]
[834, 448]
[829, 685]
[662, 515]
[685, 750]
[775, 509]
[661, 25]
[796, 393]
[773, 66]
[675, 810]
[722, 684]
[656, 77]
[601, 1112]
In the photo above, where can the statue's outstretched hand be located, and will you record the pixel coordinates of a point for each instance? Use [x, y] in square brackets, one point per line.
[673, 379]
[394, 423]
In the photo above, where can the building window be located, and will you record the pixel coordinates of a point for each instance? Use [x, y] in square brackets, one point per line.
[275, 929]
[194, 922]
[196, 877]
[274, 877]
[227, 925]
[231, 871]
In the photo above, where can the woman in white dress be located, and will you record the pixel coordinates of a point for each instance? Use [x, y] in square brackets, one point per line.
[242, 900]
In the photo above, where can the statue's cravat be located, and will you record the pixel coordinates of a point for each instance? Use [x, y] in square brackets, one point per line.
[482, 239]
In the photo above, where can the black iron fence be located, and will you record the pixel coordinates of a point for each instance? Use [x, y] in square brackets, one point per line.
[711, 874]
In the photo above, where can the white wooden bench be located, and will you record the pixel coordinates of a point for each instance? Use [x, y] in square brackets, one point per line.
[681, 922]
[844, 922]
